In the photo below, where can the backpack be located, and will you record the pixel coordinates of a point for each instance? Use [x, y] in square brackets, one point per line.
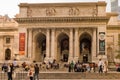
[6, 69]
[30, 73]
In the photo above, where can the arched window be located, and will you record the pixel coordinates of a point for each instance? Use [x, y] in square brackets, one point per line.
[7, 54]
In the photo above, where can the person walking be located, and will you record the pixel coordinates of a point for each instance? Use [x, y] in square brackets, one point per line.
[100, 66]
[31, 72]
[10, 71]
[36, 69]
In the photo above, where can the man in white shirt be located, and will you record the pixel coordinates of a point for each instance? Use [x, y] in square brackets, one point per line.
[100, 66]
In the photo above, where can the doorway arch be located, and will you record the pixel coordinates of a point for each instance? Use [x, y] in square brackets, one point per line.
[7, 54]
[85, 48]
[63, 47]
[40, 48]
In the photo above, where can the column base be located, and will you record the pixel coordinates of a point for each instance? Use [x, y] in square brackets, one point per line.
[46, 60]
[76, 59]
[70, 59]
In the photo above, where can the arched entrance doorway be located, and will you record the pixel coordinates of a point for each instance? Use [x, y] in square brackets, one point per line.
[63, 47]
[40, 49]
[85, 48]
[7, 54]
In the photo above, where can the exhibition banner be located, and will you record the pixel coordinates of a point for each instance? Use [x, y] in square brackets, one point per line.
[22, 43]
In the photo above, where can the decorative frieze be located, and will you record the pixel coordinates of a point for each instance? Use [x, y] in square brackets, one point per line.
[62, 10]
[95, 11]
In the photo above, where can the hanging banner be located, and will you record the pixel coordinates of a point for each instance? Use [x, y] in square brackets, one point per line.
[102, 43]
[22, 43]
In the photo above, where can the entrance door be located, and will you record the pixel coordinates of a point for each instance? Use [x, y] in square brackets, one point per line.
[40, 49]
[63, 49]
[85, 48]
[85, 58]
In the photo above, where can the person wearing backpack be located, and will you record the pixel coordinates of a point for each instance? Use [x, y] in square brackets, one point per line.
[31, 73]
[10, 71]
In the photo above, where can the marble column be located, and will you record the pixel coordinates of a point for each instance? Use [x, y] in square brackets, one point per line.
[94, 45]
[76, 45]
[71, 45]
[53, 44]
[30, 43]
[47, 44]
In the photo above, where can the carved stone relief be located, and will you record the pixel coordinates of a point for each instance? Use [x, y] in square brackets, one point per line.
[73, 11]
[50, 12]
[95, 11]
[29, 12]
[68, 11]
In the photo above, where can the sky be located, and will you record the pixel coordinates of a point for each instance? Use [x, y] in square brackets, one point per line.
[10, 7]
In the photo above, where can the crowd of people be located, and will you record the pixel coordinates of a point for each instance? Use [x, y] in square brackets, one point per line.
[88, 67]
[33, 69]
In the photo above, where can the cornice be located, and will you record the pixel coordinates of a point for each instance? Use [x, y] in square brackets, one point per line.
[113, 27]
[61, 19]
[99, 3]
[8, 29]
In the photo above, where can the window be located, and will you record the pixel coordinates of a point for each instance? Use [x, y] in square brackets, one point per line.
[7, 40]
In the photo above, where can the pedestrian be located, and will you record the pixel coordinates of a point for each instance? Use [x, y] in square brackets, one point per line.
[105, 68]
[31, 72]
[72, 66]
[36, 69]
[100, 66]
[10, 71]
[69, 67]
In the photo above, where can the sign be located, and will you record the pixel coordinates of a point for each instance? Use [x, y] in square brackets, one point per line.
[102, 43]
[22, 43]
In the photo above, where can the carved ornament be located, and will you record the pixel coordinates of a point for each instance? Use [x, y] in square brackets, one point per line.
[29, 12]
[95, 11]
[74, 11]
[50, 12]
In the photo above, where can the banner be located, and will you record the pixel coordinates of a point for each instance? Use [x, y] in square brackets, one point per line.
[102, 43]
[22, 43]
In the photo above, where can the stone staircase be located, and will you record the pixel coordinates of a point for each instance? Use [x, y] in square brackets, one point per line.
[79, 76]
[65, 75]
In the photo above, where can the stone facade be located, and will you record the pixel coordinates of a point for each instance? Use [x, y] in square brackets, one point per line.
[8, 38]
[67, 31]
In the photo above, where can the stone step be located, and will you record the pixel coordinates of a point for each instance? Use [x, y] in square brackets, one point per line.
[72, 75]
